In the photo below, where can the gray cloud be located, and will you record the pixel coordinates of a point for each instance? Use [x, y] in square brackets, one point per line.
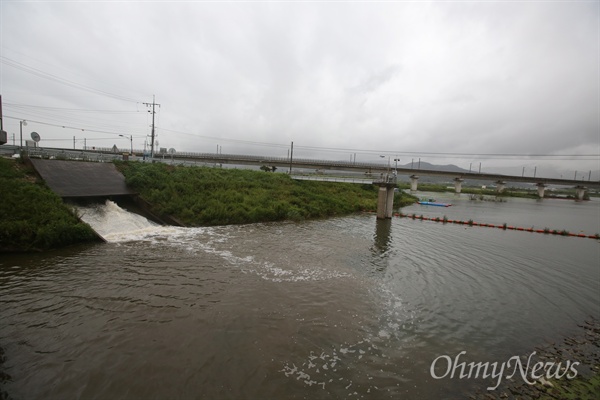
[401, 77]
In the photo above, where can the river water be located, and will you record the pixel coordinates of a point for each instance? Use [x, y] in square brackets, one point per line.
[346, 307]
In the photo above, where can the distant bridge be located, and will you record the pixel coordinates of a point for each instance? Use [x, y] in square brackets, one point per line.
[329, 178]
[382, 172]
[371, 168]
[106, 154]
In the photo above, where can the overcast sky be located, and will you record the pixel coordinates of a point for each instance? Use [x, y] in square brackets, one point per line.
[404, 79]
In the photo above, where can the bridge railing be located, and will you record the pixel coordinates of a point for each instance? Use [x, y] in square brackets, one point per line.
[339, 179]
[277, 160]
[72, 155]
[106, 154]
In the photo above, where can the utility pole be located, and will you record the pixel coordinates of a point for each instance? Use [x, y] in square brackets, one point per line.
[73, 142]
[153, 104]
[21, 123]
[291, 157]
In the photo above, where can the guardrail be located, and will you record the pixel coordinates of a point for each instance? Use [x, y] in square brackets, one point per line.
[73, 155]
[364, 181]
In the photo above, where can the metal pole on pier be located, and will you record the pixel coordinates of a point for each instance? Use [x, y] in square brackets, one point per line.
[291, 157]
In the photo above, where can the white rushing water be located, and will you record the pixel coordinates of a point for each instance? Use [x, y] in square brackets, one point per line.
[115, 224]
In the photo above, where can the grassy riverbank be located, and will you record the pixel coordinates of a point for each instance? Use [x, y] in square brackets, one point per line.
[34, 217]
[200, 196]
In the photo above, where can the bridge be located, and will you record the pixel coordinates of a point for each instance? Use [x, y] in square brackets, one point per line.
[383, 174]
[106, 154]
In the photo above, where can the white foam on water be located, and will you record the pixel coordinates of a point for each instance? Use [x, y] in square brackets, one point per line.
[322, 368]
[117, 225]
[329, 369]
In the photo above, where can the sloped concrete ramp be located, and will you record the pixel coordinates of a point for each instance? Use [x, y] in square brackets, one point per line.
[81, 179]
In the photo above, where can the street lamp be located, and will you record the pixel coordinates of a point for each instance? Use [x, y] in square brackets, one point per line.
[131, 140]
[396, 160]
[21, 124]
[389, 161]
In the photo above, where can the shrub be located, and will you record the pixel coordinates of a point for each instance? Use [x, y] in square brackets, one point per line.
[34, 218]
[213, 196]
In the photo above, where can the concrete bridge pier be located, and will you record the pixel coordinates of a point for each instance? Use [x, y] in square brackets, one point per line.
[458, 184]
[580, 191]
[414, 180]
[500, 186]
[540, 189]
[385, 201]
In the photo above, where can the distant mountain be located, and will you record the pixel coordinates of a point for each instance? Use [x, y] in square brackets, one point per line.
[545, 171]
[452, 168]
[428, 166]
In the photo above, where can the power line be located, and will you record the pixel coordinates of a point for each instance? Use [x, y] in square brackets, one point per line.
[89, 139]
[445, 154]
[222, 139]
[505, 156]
[70, 127]
[63, 81]
[26, 106]
[77, 116]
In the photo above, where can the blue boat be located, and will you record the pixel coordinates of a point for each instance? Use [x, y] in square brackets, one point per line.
[433, 203]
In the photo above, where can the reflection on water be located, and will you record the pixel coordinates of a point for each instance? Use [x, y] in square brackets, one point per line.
[340, 308]
[383, 235]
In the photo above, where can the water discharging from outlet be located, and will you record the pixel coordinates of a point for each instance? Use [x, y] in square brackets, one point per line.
[115, 224]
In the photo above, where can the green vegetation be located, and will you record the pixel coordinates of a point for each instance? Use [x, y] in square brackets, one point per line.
[201, 196]
[33, 217]
[578, 388]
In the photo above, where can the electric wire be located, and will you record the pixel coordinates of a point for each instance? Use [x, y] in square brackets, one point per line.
[63, 81]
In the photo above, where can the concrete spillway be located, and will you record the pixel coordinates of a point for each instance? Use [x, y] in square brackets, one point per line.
[85, 183]
[81, 179]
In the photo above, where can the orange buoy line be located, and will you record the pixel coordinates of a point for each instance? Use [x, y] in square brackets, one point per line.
[546, 231]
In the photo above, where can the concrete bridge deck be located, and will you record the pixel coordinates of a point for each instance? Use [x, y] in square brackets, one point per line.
[102, 154]
[332, 165]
